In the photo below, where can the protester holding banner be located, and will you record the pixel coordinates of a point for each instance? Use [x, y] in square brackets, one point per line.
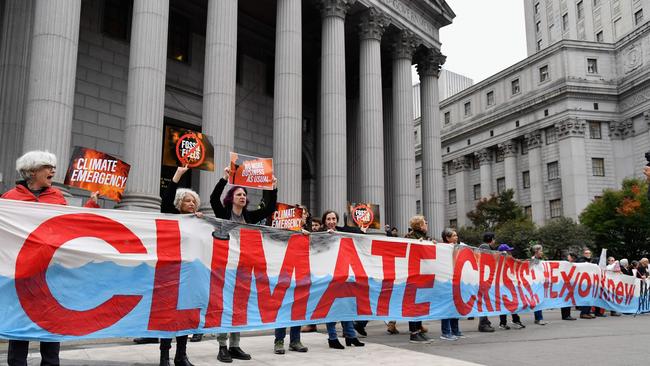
[449, 327]
[484, 324]
[419, 227]
[566, 311]
[506, 249]
[37, 168]
[234, 208]
[538, 255]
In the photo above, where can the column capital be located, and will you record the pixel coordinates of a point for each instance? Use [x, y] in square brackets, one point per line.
[372, 24]
[570, 127]
[429, 62]
[484, 156]
[334, 8]
[508, 149]
[404, 44]
[461, 164]
[620, 130]
[534, 139]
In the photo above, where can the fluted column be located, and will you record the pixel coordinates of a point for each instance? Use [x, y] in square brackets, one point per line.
[485, 161]
[534, 141]
[389, 180]
[219, 88]
[461, 168]
[370, 126]
[332, 127]
[145, 102]
[287, 101]
[573, 167]
[403, 160]
[52, 76]
[433, 199]
[14, 63]
[509, 151]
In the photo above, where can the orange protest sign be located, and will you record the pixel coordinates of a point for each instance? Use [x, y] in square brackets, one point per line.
[286, 217]
[187, 147]
[363, 215]
[251, 171]
[93, 170]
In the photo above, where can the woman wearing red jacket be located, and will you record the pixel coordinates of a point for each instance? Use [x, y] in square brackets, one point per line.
[37, 168]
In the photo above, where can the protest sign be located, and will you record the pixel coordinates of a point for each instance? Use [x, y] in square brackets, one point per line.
[187, 147]
[286, 217]
[93, 171]
[251, 171]
[363, 215]
[71, 273]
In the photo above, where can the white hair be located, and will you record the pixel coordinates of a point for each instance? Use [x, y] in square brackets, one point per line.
[623, 262]
[180, 194]
[34, 160]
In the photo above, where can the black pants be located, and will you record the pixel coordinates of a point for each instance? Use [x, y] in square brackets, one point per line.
[181, 345]
[414, 327]
[503, 319]
[17, 353]
[566, 312]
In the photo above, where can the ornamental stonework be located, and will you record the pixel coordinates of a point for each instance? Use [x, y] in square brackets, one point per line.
[460, 164]
[632, 58]
[570, 128]
[429, 62]
[334, 8]
[484, 156]
[372, 24]
[534, 139]
[508, 149]
[404, 44]
[620, 130]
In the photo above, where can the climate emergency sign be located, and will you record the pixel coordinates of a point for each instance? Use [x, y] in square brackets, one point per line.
[70, 273]
[94, 170]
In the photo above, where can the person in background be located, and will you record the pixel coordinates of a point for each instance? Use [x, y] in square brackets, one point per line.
[316, 224]
[505, 249]
[37, 169]
[394, 233]
[625, 267]
[634, 267]
[484, 324]
[449, 329]
[642, 269]
[566, 311]
[538, 254]
[235, 208]
[418, 228]
[585, 311]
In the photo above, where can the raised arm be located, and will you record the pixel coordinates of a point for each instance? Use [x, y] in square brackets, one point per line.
[215, 197]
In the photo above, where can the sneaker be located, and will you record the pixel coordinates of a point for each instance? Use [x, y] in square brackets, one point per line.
[278, 347]
[391, 327]
[460, 335]
[541, 322]
[485, 328]
[568, 318]
[297, 347]
[518, 325]
[448, 337]
[504, 326]
[196, 337]
[419, 338]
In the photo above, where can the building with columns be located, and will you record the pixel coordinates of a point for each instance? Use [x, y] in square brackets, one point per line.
[322, 86]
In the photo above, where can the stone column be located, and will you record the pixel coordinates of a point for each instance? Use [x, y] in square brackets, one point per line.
[287, 101]
[433, 190]
[388, 151]
[14, 62]
[219, 88]
[403, 146]
[461, 167]
[534, 141]
[485, 161]
[573, 166]
[509, 151]
[332, 127]
[52, 77]
[370, 127]
[145, 103]
[624, 153]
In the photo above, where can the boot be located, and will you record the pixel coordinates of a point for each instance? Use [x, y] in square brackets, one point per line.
[238, 353]
[391, 327]
[164, 358]
[223, 355]
[334, 343]
[182, 361]
[353, 342]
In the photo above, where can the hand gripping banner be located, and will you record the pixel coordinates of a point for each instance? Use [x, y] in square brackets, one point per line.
[71, 273]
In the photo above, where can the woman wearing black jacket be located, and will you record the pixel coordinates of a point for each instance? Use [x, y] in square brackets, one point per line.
[234, 208]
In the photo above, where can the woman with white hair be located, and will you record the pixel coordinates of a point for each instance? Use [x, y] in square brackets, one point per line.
[37, 169]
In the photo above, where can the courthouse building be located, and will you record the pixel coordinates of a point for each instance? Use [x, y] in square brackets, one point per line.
[560, 126]
[322, 86]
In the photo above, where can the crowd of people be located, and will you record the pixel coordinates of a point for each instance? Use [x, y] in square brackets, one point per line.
[37, 169]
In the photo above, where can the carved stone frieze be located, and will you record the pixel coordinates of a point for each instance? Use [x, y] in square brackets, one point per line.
[484, 156]
[429, 62]
[570, 127]
[461, 164]
[508, 149]
[620, 130]
[336, 8]
[534, 139]
[372, 24]
[632, 57]
[404, 44]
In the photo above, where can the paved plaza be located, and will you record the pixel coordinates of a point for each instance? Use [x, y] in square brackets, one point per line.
[582, 342]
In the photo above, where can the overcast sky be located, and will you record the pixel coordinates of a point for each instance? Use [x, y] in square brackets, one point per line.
[484, 38]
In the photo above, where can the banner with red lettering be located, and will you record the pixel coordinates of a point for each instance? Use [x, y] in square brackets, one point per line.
[70, 273]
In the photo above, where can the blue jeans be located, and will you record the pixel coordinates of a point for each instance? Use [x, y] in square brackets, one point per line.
[348, 330]
[449, 326]
[294, 334]
[538, 315]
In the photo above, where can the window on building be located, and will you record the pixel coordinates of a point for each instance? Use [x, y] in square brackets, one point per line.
[452, 196]
[592, 66]
[418, 207]
[501, 185]
[477, 191]
[447, 118]
[543, 73]
[595, 106]
[416, 137]
[514, 87]
[526, 179]
[594, 131]
[638, 17]
[178, 40]
[553, 170]
[556, 208]
[539, 45]
[551, 135]
[565, 22]
[599, 37]
[598, 167]
[490, 98]
[536, 8]
[476, 164]
[580, 10]
[453, 223]
[538, 25]
[528, 210]
[418, 181]
[524, 147]
[116, 22]
[468, 108]
[469, 142]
